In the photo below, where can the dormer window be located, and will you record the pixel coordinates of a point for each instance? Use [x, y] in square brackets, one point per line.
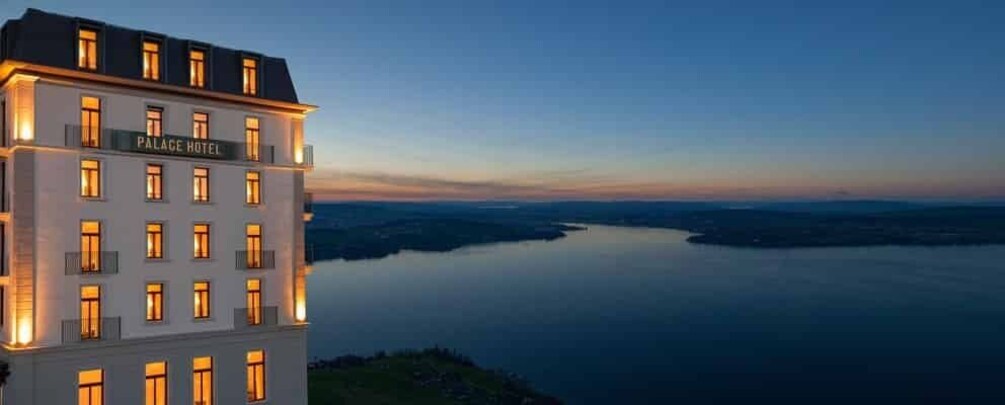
[151, 60]
[250, 70]
[87, 49]
[197, 68]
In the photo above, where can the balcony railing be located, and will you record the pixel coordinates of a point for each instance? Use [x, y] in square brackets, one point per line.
[246, 318]
[308, 203]
[91, 330]
[307, 160]
[263, 154]
[256, 259]
[92, 263]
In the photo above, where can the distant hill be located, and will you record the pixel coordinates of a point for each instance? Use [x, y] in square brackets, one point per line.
[354, 231]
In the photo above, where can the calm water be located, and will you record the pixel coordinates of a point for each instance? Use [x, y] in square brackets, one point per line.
[618, 315]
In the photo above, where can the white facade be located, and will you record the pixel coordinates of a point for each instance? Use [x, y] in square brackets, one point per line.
[43, 185]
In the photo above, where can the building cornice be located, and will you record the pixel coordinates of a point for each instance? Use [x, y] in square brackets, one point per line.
[9, 68]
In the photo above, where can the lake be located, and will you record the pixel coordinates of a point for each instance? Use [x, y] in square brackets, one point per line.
[634, 315]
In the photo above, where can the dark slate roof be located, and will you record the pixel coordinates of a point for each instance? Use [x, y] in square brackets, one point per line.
[50, 39]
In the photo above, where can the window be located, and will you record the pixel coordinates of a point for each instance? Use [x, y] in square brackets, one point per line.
[253, 186]
[90, 387]
[200, 125]
[155, 182]
[155, 302]
[256, 375]
[251, 138]
[254, 298]
[156, 383]
[200, 184]
[200, 234]
[155, 240]
[202, 381]
[90, 312]
[90, 246]
[155, 122]
[87, 49]
[197, 68]
[250, 70]
[253, 242]
[90, 178]
[151, 60]
[201, 299]
[90, 122]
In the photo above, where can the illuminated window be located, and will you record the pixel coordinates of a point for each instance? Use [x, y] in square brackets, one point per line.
[256, 376]
[156, 383]
[90, 312]
[151, 60]
[200, 245]
[200, 184]
[197, 68]
[201, 299]
[90, 122]
[254, 298]
[90, 178]
[155, 182]
[155, 122]
[155, 240]
[251, 136]
[253, 242]
[200, 125]
[155, 302]
[253, 187]
[87, 49]
[90, 246]
[90, 387]
[202, 381]
[250, 70]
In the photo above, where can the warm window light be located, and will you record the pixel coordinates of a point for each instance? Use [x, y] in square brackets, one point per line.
[25, 133]
[301, 310]
[24, 331]
[298, 156]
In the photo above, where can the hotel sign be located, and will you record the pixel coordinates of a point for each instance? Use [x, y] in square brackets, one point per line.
[175, 145]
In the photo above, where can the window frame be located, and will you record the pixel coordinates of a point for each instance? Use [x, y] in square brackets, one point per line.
[255, 371]
[253, 138]
[205, 124]
[203, 311]
[93, 191]
[158, 123]
[202, 247]
[90, 135]
[253, 298]
[158, 195]
[154, 299]
[160, 234]
[100, 385]
[198, 378]
[253, 187]
[160, 393]
[91, 329]
[91, 54]
[90, 256]
[197, 184]
[201, 64]
[151, 61]
[250, 85]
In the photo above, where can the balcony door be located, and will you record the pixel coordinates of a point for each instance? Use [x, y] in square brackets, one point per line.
[90, 312]
[90, 246]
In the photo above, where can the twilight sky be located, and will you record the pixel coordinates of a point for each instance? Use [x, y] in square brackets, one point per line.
[548, 100]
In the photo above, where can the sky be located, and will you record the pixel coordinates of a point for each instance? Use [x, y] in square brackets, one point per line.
[625, 100]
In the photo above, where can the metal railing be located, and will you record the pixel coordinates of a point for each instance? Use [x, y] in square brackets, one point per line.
[264, 154]
[307, 160]
[256, 259]
[99, 138]
[246, 318]
[308, 203]
[92, 263]
[91, 330]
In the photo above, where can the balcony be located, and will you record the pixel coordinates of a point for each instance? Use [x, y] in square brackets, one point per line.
[245, 318]
[257, 153]
[307, 158]
[92, 263]
[256, 259]
[92, 330]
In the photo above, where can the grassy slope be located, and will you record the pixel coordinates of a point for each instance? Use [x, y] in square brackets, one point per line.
[433, 376]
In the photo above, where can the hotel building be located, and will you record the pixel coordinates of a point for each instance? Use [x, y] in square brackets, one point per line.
[152, 214]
